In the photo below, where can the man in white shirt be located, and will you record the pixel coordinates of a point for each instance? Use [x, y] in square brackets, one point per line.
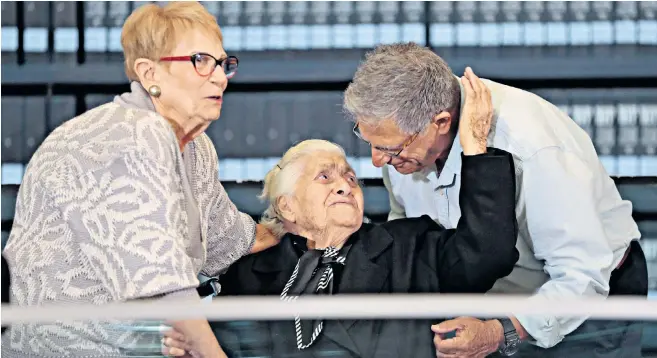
[575, 232]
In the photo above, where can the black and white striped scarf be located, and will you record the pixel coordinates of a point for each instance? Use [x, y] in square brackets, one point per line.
[306, 280]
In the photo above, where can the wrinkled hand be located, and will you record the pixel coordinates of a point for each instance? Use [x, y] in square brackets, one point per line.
[264, 239]
[474, 338]
[477, 116]
[175, 345]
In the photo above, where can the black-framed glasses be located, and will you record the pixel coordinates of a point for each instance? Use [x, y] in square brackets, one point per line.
[390, 152]
[205, 63]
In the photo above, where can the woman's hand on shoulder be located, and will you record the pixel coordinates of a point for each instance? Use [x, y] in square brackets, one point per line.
[174, 344]
[477, 116]
[264, 239]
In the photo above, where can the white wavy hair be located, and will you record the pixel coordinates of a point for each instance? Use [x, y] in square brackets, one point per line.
[282, 179]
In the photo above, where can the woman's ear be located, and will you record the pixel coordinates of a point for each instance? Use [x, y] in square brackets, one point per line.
[285, 207]
[146, 71]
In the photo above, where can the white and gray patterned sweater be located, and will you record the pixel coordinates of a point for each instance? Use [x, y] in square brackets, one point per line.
[111, 210]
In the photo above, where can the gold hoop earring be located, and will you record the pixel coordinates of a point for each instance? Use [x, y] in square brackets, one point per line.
[154, 91]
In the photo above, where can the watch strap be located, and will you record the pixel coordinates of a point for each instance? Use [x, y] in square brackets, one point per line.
[511, 338]
[507, 326]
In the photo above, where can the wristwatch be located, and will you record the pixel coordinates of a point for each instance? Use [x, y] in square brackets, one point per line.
[512, 341]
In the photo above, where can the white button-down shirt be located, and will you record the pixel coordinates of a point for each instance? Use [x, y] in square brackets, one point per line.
[574, 228]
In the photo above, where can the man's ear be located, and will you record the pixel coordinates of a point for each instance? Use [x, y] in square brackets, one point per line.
[284, 204]
[146, 71]
[443, 122]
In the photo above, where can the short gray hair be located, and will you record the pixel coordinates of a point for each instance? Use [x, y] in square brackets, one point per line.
[282, 179]
[404, 82]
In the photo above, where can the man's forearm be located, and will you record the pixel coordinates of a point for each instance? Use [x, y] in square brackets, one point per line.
[200, 337]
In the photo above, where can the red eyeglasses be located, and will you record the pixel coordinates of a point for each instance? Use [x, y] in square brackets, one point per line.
[205, 64]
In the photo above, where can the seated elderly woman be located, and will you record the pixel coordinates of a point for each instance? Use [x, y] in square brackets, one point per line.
[116, 204]
[314, 196]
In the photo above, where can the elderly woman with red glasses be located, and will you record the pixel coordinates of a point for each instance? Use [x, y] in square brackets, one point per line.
[124, 202]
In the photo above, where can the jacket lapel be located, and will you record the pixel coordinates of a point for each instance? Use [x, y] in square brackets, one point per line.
[274, 267]
[365, 271]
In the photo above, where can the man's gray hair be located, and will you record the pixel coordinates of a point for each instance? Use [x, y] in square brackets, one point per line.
[404, 82]
[282, 179]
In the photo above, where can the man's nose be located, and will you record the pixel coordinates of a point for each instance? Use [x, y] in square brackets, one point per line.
[379, 158]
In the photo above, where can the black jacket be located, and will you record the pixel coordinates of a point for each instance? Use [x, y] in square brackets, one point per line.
[402, 256]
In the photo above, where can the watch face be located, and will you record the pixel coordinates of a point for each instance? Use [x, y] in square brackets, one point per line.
[511, 347]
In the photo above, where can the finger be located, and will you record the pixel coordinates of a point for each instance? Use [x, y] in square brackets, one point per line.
[436, 340]
[172, 343]
[176, 352]
[467, 87]
[482, 90]
[172, 333]
[447, 326]
[451, 346]
[172, 352]
[477, 84]
[446, 355]
[469, 74]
